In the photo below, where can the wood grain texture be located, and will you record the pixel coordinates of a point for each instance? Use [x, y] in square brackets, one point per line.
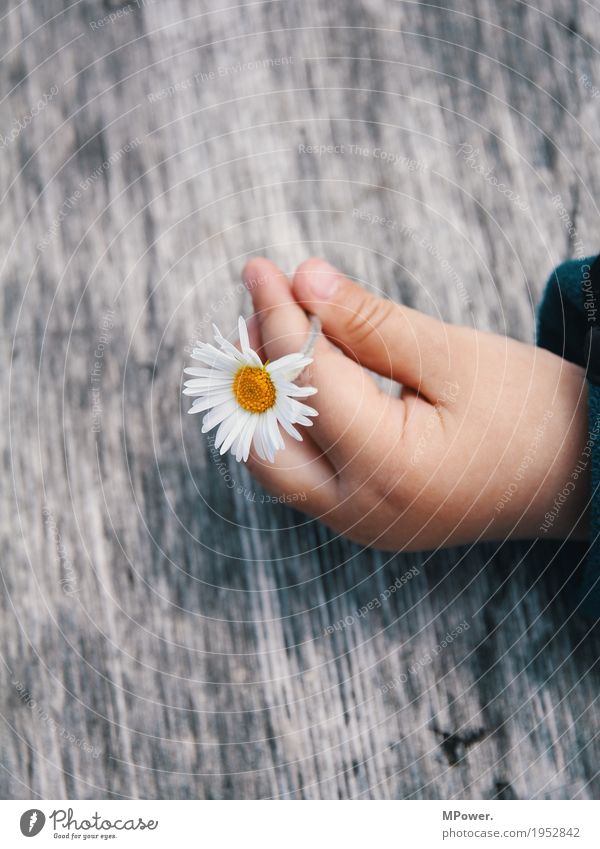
[163, 632]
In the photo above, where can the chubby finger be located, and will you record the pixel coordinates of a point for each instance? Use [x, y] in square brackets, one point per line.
[395, 341]
[282, 322]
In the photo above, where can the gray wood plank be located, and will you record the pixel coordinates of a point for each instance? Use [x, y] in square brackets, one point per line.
[163, 634]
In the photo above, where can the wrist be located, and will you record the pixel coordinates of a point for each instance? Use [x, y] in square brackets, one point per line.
[560, 506]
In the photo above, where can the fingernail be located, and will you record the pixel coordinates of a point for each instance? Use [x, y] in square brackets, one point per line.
[324, 281]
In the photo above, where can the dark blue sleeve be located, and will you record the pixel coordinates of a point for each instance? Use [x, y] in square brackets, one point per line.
[568, 310]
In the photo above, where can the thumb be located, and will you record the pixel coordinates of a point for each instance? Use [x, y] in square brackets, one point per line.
[392, 340]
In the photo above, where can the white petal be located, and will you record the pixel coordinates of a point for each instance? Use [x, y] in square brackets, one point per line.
[196, 409]
[228, 348]
[210, 356]
[206, 402]
[245, 343]
[262, 440]
[258, 439]
[245, 439]
[295, 409]
[304, 409]
[225, 427]
[207, 392]
[243, 333]
[274, 435]
[238, 423]
[291, 362]
[218, 414]
[205, 372]
[249, 438]
[294, 391]
[286, 423]
[212, 397]
[209, 382]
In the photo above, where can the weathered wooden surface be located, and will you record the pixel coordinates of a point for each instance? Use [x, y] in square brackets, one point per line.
[164, 634]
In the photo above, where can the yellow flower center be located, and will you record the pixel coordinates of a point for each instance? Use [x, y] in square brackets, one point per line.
[254, 389]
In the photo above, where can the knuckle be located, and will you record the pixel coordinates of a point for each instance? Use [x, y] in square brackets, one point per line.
[371, 313]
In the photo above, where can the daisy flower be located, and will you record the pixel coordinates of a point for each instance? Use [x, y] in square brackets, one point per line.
[249, 400]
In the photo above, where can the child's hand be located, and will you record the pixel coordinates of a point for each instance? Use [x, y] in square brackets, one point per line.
[483, 442]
